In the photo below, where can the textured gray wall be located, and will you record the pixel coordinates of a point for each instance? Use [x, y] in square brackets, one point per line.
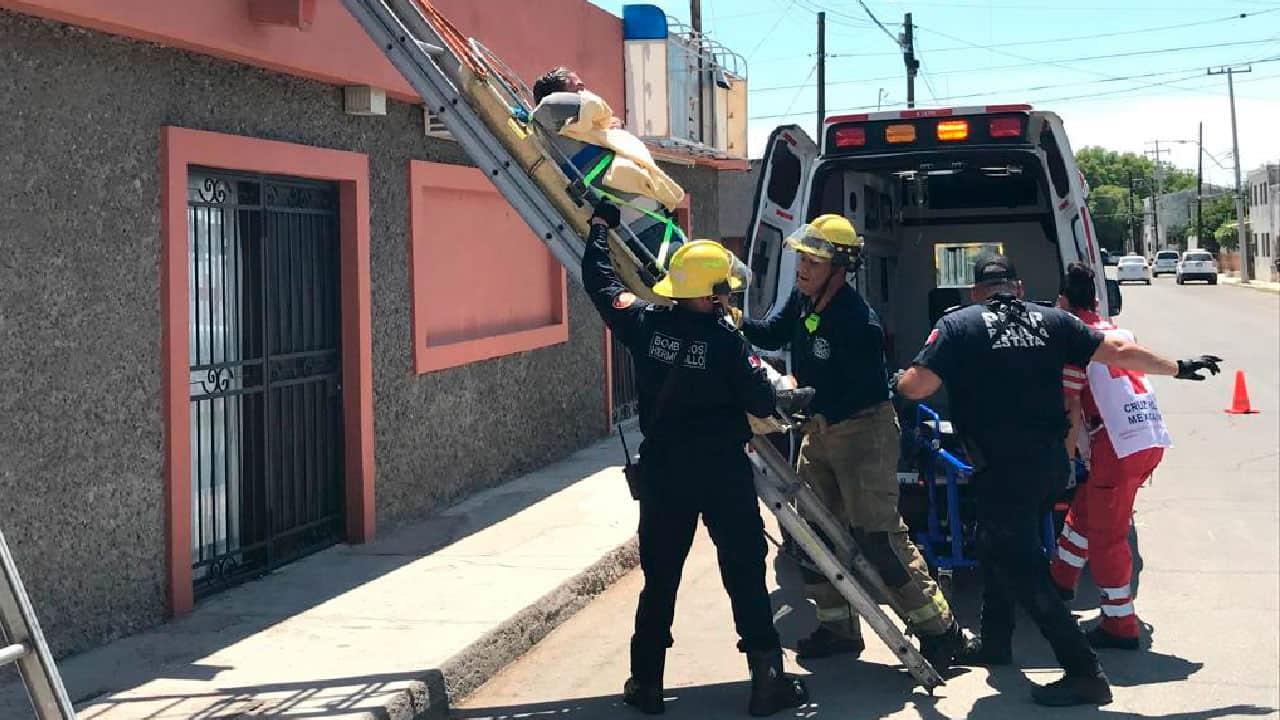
[81, 475]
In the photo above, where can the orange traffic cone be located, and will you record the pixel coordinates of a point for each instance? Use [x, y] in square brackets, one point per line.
[1240, 401]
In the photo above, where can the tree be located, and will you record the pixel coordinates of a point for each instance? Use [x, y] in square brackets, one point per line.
[1177, 237]
[1216, 214]
[1108, 167]
[1109, 208]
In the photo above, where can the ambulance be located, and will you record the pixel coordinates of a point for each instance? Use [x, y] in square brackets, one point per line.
[929, 191]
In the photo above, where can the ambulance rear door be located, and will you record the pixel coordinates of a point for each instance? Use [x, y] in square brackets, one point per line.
[781, 196]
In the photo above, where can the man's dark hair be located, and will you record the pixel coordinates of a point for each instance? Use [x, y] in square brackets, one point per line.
[554, 80]
[1078, 287]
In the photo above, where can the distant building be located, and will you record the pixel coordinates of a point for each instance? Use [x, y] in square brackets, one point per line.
[1263, 229]
[1176, 210]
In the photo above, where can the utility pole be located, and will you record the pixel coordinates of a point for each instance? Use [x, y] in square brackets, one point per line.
[880, 96]
[1157, 173]
[695, 21]
[822, 74]
[1200, 241]
[908, 41]
[1242, 238]
[1135, 245]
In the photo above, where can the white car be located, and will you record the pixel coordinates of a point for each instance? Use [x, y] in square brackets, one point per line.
[1197, 265]
[1166, 262]
[1133, 268]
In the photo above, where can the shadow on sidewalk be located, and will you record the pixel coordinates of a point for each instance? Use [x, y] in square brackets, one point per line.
[174, 649]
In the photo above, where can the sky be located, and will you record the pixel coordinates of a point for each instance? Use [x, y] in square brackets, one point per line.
[1122, 73]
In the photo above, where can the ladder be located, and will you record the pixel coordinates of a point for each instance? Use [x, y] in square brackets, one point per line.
[424, 55]
[24, 646]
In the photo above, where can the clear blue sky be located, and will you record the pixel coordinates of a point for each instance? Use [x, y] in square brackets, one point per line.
[1120, 75]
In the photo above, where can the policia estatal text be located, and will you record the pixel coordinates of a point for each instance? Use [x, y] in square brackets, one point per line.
[1002, 361]
[697, 382]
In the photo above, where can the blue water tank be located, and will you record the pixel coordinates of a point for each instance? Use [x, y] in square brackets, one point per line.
[643, 22]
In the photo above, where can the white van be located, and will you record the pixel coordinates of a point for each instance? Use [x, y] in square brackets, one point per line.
[929, 191]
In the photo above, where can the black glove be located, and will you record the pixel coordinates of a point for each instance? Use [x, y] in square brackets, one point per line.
[790, 402]
[608, 212]
[1189, 369]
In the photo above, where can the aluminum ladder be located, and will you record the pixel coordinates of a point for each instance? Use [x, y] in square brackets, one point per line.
[416, 49]
[24, 646]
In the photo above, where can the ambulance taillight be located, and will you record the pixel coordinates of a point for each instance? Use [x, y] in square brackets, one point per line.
[847, 137]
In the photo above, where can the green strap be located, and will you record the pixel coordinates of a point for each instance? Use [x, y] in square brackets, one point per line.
[669, 225]
[600, 167]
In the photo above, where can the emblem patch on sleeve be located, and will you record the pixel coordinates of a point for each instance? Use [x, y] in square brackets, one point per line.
[933, 335]
[623, 300]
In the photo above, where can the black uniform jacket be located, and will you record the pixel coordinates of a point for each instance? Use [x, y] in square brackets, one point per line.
[842, 358]
[717, 379]
[1002, 364]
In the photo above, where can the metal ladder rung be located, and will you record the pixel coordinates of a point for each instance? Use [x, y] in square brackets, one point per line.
[13, 653]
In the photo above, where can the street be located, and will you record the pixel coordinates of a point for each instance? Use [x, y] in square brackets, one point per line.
[1209, 583]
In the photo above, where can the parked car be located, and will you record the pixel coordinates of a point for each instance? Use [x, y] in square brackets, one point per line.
[1108, 260]
[1133, 268]
[1166, 262]
[1197, 265]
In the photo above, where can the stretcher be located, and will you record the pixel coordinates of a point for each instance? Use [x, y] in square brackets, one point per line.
[485, 106]
[488, 111]
[948, 537]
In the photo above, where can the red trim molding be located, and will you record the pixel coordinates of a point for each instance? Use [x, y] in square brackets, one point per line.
[179, 149]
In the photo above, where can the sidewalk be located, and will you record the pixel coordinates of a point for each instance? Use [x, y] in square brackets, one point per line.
[379, 630]
[1263, 285]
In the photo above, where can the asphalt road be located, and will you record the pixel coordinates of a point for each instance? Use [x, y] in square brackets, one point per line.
[1208, 537]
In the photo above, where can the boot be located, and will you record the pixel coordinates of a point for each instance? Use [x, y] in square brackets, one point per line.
[645, 698]
[1101, 639]
[978, 654]
[1074, 690]
[643, 690]
[771, 689]
[825, 642]
[941, 649]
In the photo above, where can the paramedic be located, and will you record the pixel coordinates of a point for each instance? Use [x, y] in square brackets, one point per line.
[849, 454]
[1002, 361]
[697, 383]
[1126, 440]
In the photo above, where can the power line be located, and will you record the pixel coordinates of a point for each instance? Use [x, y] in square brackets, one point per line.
[1137, 31]
[769, 33]
[1145, 86]
[1130, 53]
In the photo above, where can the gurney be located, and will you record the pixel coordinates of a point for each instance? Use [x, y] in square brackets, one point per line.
[485, 107]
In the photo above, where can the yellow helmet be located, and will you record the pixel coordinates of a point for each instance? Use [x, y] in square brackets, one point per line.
[830, 237]
[702, 268]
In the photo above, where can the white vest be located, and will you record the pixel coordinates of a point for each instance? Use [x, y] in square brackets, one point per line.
[1127, 402]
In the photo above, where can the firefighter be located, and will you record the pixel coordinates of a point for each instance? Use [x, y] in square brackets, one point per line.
[1126, 441]
[697, 383]
[1002, 361]
[849, 454]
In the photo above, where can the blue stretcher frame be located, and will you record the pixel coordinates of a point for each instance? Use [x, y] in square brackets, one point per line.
[929, 437]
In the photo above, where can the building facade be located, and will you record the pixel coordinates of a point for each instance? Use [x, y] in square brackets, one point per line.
[1263, 193]
[239, 323]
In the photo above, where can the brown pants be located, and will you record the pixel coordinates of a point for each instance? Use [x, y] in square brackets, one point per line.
[853, 466]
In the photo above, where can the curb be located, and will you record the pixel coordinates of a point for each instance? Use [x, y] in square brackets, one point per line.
[427, 698]
[1222, 280]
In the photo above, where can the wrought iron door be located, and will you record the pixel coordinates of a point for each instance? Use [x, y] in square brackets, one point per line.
[266, 413]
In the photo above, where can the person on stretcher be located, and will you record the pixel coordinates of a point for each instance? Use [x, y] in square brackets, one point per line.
[613, 162]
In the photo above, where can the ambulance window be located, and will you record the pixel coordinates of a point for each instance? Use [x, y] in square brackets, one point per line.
[1077, 230]
[784, 175]
[766, 261]
[832, 197]
[1057, 168]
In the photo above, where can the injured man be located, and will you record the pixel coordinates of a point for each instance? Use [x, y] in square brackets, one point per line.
[615, 164]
